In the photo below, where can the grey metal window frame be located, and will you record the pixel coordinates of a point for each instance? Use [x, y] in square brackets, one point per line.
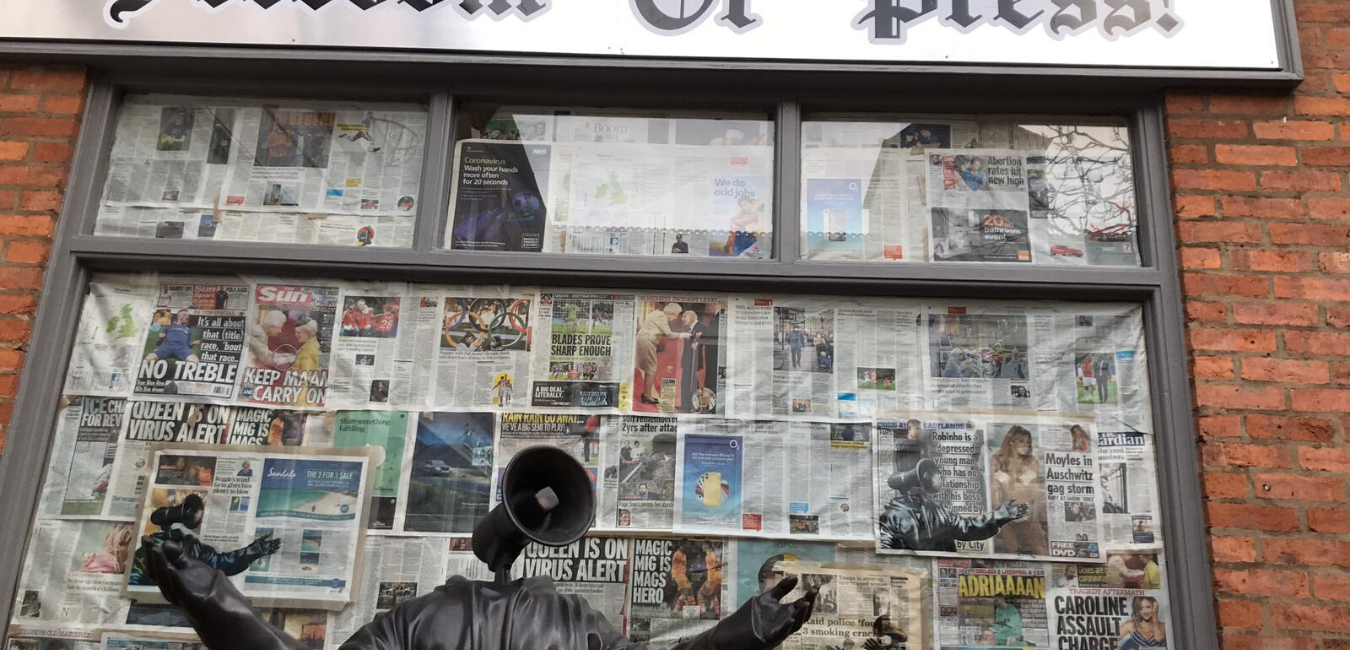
[1156, 285]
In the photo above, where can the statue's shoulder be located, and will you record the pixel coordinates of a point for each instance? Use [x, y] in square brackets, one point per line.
[459, 585]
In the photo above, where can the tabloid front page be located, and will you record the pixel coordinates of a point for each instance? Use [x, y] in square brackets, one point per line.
[80, 466]
[679, 588]
[594, 568]
[991, 603]
[680, 354]
[290, 342]
[578, 435]
[195, 341]
[639, 483]
[1122, 604]
[583, 357]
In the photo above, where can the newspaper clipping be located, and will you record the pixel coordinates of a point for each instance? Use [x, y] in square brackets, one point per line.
[289, 344]
[992, 603]
[196, 341]
[448, 472]
[578, 435]
[383, 335]
[387, 430]
[73, 574]
[867, 606]
[1129, 475]
[1121, 604]
[978, 201]
[484, 351]
[977, 357]
[594, 568]
[581, 365]
[81, 464]
[640, 480]
[680, 359]
[678, 589]
[111, 334]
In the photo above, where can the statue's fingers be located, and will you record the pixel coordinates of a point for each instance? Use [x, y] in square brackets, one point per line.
[783, 588]
[173, 552]
[158, 566]
[802, 609]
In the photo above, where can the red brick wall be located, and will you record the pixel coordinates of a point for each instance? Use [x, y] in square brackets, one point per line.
[40, 109]
[1263, 207]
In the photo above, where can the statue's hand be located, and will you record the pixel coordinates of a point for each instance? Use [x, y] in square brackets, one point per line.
[1011, 511]
[775, 620]
[263, 546]
[185, 582]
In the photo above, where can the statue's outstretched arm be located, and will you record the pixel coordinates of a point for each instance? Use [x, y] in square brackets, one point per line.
[220, 614]
[762, 623]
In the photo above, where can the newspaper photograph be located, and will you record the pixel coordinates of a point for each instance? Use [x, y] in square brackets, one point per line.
[1120, 604]
[288, 527]
[638, 489]
[80, 466]
[170, 151]
[867, 606]
[195, 342]
[594, 568]
[978, 205]
[857, 206]
[500, 199]
[680, 357]
[992, 603]
[484, 350]
[678, 589]
[398, 569]
[1128, 470]
[1047, 465]
[803, 360]
[289, 344]
[448, 472]
[1082, 193]
[578, 435]
[387, 430]
[1092, 360]
[381, 348]
[112, 330]
[72, 576]
[28, 638]
[977, 357]
[579, 363]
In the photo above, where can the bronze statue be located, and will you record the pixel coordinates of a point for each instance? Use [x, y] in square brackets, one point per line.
[548, 499]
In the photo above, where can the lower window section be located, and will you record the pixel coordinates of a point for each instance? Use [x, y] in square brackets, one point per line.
[947, 473]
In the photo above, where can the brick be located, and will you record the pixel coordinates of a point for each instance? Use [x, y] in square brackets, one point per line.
[1190, 206]
[1325, 400]
[1326, 156]
[1335, 13]
[1341, 82]
[10, 151]
[1181, 103]
[1324, 459]
[1252, 517]
[1193, 232]
[52, 152]
[1232, 548]
[1270, 261]
[44, 176]
[1308, 617]
[1203, 128]
[1335, 106]
[16, 225]
[1275, 313]
[1300, 181]
[1225, 485]
[51, 127]
[21, 277]
[1260, 207]
[1309, 235]
[1200, 284]
[8, 198]
[1271, 427]
[1256, 155]
[62, 104]
[1333, 586]
[1220, 426]
[1200, 311]
[1189, 179]
[15, 331]
[1340, 372]
[1289, 487]
[1248, 105]
[1306, 552]
[1232, 340]
[1201, 258]
[40, 200]
[1239, 613]
[1285, 371]
[48, 79]
[1329, 520]
[17, 303]
[1261, 582]
[18, 103]
[1237, 641]
[1337, 263]
[27, 251]
[1188, 154]
[1327, 207]
[1213, 367]
[1317, 343]
[1237, 454]
[1303, 130]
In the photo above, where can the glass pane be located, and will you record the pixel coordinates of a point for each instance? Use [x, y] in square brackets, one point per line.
[1023, 191]
[604, 182]
[869, 445]
[294, 172]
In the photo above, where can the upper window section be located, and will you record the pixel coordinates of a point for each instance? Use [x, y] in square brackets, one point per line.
[606, 182]
[969, 190]
[293, 172]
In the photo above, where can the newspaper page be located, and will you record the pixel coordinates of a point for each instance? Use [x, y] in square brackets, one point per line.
[121, 642]
[25, 638]
[376, 353]
[578, 435]
[677, 589]
[73, 574]
[484, 348]
[398, 569]
[1092, 360]
[500, 196]
[783, 361]
[594, 568]
[992, 603]
[582, 360]
[977, 356]
[314, 228]
[85, 448]
[877, 371]
[978, 205]
[294, 522]
[158, 223]
[196, 340]
[718, 490]
[1130, 510]
[639, 484]
[1082, 195]
[1121, 604]
[169, 151]
[447, 472]
[387, 430]
[680, 354]
[113, 324]
[760, 564]
[290, 341]
[855, 196]
[864, 605]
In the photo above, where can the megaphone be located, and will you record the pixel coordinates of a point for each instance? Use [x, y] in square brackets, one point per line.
[921, 476]
[547, 497]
